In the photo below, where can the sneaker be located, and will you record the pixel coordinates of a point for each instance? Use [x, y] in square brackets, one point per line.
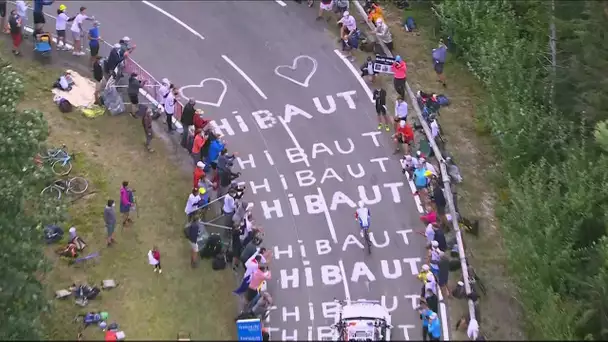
[379, 126]
[75, 53]
[361, 232]
[81, 53]
[387, 128]
[154, 269]
[160, 271]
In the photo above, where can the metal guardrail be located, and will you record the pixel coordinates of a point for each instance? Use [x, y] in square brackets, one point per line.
[444, 174]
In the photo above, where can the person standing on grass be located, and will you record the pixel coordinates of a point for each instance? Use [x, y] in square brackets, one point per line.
[154, 259]
[193, 230]
[94, 40]
[133, 91]
[439, 55]
[384, 34]
[399, 69]
[61, 23]
[229, 207]
[146, 121]
[126, 201]
[109, 217]
[77, 31]
[199, 140]
[444, 273]
[324, 6]
[170, 101]
[98, 77]
[187, 120]
[439, 200]
[194, 200]
[16, 29]
[341, 6]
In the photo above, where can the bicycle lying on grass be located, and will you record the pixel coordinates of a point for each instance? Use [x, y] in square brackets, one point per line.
[58, 158]
[74, 185]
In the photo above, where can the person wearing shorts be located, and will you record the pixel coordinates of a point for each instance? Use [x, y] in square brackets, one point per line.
[39, 20]
[439, 56]
[192, 238]
[324, 6]
[380, 100]
[94, 40]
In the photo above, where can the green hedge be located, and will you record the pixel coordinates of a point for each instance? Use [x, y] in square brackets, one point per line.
[22, 135]
[554, 215]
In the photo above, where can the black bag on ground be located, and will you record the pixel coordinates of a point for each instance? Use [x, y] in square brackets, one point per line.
[219, 262]
[212, 247]
[65, 106]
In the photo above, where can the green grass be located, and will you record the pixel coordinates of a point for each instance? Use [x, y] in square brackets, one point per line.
[146, 305]
[471, 148]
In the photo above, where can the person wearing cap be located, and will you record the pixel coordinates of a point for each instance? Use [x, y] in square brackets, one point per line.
[420, 178]
[434, 327]
[194, 199]
[199, 174]
[433, 257]
[77, 31]
[367, 70]
[399, 70]
[146, 121]
[73, 233]
[94, 40]
[170, 101]
[403, 137]
[112, 61]
[347, 24]
[125, 46]
[384, 34]
[163, 90]
[61, 23]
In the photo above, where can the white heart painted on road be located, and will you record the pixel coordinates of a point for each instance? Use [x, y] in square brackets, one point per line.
[201, 85]
[294, 66]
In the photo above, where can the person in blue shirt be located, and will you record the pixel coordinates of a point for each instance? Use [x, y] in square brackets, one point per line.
[425, 312]
[39, 19]
[94, 40]
[434, 327]
[420, 178]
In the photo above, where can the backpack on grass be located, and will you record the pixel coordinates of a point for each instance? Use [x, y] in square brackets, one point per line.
[409, 24]
[219, 262]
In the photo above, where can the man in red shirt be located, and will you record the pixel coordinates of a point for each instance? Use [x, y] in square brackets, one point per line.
[399, 69]
[198, 121]
[403, 137]
[198, 174]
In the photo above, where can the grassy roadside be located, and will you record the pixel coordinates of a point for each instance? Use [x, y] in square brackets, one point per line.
[472, 150]
[146, 305]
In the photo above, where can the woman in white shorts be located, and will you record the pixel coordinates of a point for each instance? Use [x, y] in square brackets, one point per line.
[325, 5]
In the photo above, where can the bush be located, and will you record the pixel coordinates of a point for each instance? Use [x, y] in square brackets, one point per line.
[22, 134]
[553, 216]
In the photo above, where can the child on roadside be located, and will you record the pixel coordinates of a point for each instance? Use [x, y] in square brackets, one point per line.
[154, 259]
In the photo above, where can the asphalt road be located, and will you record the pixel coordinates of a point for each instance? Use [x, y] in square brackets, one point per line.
[258, 37]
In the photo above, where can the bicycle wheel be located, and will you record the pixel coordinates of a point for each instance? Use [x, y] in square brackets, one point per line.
[77, 185]
[51, 191]
[61, 167]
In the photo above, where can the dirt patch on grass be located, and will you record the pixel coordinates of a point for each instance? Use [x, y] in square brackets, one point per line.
[472, 150]
[146, 305]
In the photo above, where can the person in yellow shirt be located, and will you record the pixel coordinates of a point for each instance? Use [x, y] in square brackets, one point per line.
[375, 13]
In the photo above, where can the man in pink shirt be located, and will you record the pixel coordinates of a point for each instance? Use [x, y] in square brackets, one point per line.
[399, 69]
[257, 278]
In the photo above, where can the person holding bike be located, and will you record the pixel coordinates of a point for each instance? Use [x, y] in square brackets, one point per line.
[363, 215]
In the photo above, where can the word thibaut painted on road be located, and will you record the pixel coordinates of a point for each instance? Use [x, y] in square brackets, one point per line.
[265, 119]
[218, 102]
[329, 310]
[380, 239]
[315, 203]
[281, 70]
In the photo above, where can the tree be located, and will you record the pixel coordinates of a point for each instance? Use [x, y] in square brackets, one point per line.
[22, 134]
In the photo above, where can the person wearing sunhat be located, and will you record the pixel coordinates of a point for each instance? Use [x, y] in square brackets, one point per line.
[434, 327]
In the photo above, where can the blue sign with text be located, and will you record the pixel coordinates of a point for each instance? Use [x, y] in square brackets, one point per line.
[249, 329]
